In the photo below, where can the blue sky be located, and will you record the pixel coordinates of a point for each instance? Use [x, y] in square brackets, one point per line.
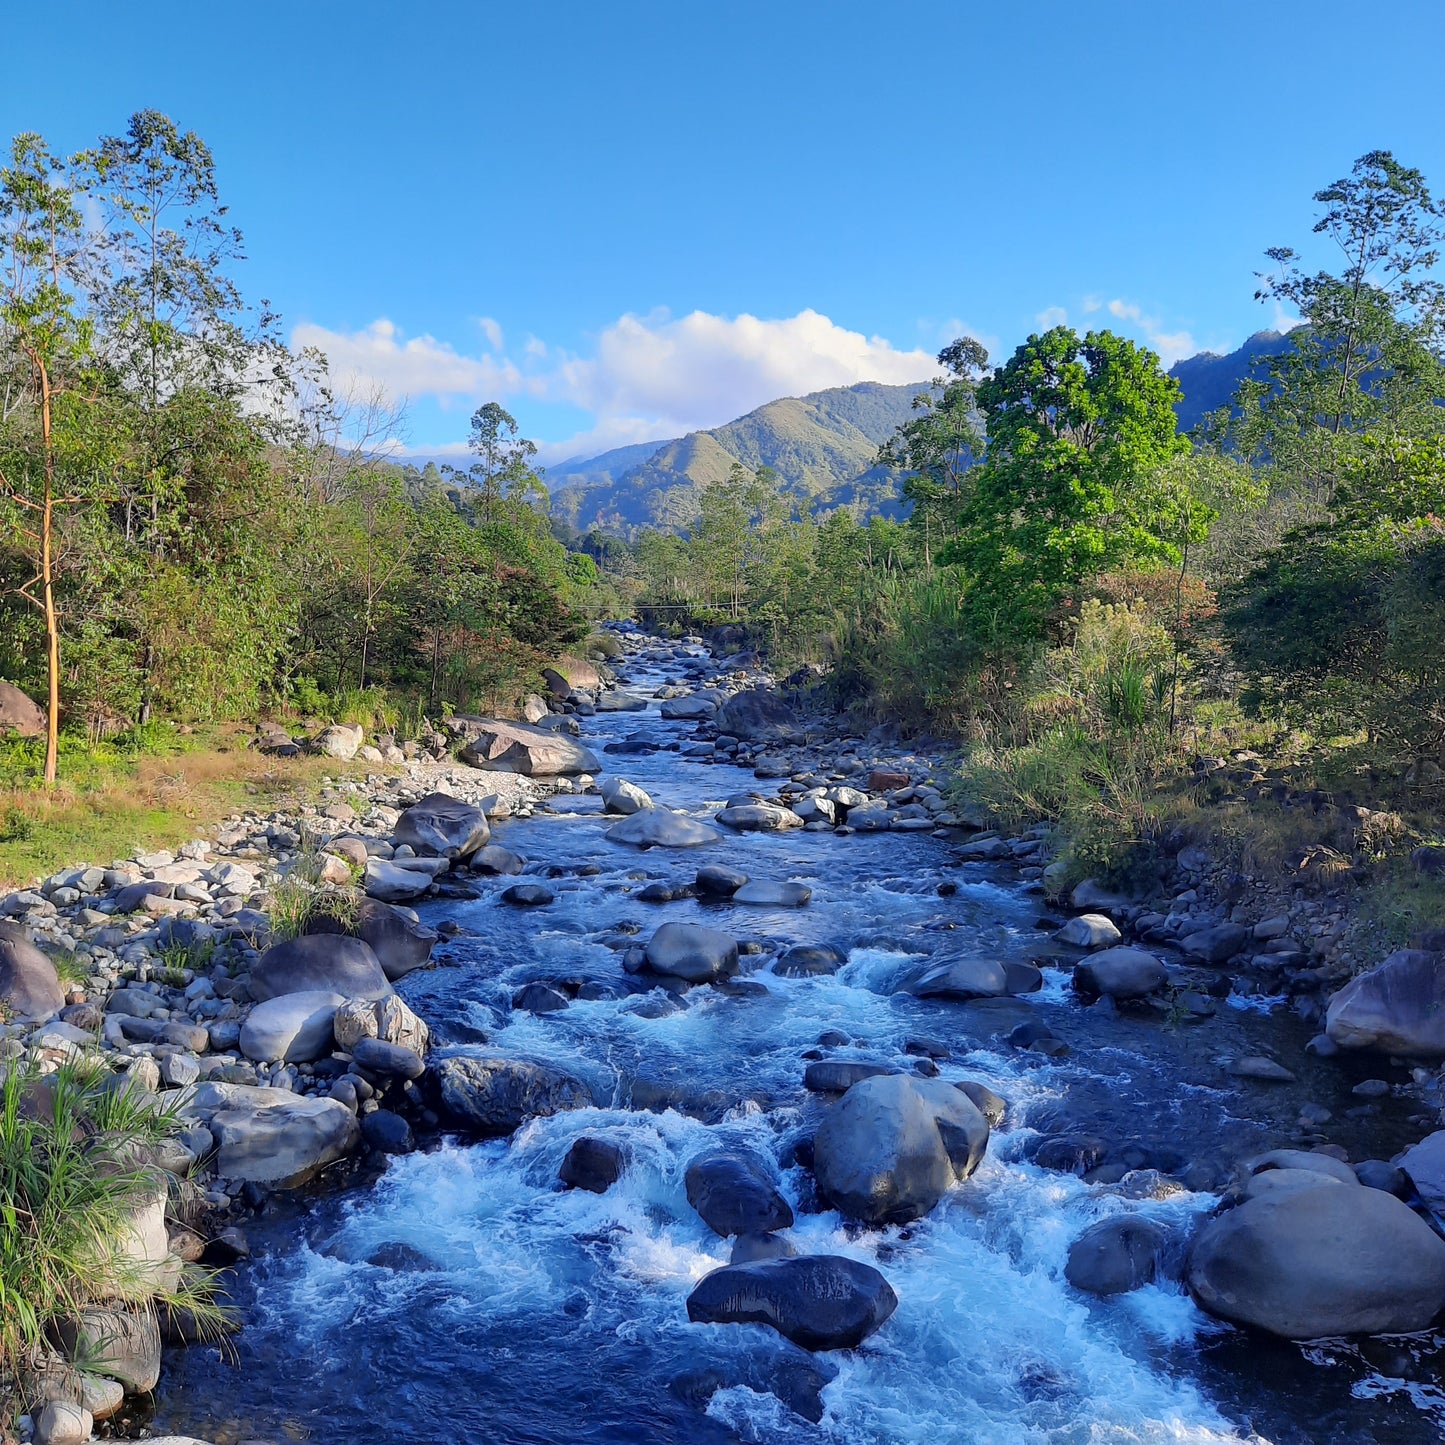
[627, 219]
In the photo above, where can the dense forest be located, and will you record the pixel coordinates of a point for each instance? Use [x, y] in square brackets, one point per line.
[195, 524]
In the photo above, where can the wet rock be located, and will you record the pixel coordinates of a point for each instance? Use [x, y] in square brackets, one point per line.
[989, 1104]
[757, 715]
[759, 818]
[734, 1195]
[623, 797]
[1119, 973]
[716, 881]
[809, 960]
[1312, 1263]
[272, 1136]
[694, 954]
[1115, 1255]
[615, 701]
[593, 1164]
[495, 1094]
[891, 1146]
[821, 1302]
[753, 1248]
[1088, 930]
[837, 1076]
[496, 859]
[387, 1133]
[442, 825]
[29, 984]
[774, 895]
[293, 1028]
[963, 978]
[1424, 1165]
[331, 962]
[1069, 1153]
[1022, 977]
[1217, 944]
[1396, 1008]
[528, 895]
[534, 752]
[540, 998]
[659, 828]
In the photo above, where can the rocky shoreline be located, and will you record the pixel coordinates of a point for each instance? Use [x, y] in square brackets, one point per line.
[248, 979]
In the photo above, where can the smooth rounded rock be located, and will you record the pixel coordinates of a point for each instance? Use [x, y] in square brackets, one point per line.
[963, 978]
[734, 1195]
[330, 961]
[1119, 973]
[1115, 1255]
[292, 1028]
[495, 1094]
[592, 1163]
[442, 825]
[1397, 1007]
[692, 953]
[659, 828]
[29, 984]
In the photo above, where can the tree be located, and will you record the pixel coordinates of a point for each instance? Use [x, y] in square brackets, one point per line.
[504, 465]
[1076, 431]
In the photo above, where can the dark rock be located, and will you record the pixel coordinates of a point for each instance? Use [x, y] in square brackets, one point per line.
[837, 1076]
[1377, 1174]
[528, 895]
[592, 1164]
[758, 715]
[495, 1094]
[398, 940]
[1068, 1153]
[319, 961]
[810, 961]
[1115, 1255]
[989, 1104]
[387, 1133]
[716, 881]
[442, 826]
[734, 1195]
[392, 1061]
[540, 998]
[691, 953]
[1218, 944]
[29, 984]
[1119, 973]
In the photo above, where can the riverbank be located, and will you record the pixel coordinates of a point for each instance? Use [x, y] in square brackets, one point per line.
[550, 1021]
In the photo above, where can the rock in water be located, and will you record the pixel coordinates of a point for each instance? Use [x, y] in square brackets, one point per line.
[759, 818]
[332, 962]
[819, 1301]
[659, 828]
[889, 1148]
[1115, 1255]
[715, 880]
[758, 715]
[1119, 973]
[593, 1164]
[692, 953]
[734, 1195]
[620, 796]
[444, 826]
[509, 747]
[1311, 1263]
[963, 978]
[271, 1136]
[1089, 930]
[774, 895]
[1397, 1007]
[621, 702]
[495, 1094]
[29, 985]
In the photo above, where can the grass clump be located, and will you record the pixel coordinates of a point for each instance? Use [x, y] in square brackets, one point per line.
[74, 1174]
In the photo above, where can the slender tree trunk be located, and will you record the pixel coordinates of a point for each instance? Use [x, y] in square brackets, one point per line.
[52, 627]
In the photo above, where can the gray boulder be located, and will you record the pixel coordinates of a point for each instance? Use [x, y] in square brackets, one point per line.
[774, 895]
[691, 708]
[758, 715]
[692, 953]
[619, 796]
[319, 961]
[1217, 944]
[294, 1027]
[393, 883]
[340, 741]
[119, 1343]
[509, 747]
[735, 1195]
[390, 1061]
[1397, 1007]
[29, 985]
[616, 701]
[963, 978]
[891, 1146]
[1312, 1263]
[1089, 930]
[818, 1301]
[495, 1094]
[1119, 973]
[400, 941]
[759, 818]
[272, 1136]
[1424, 1165]
[444, 826]
[496, 859]
[1115, 1255]
[660, 828]
[19, 713]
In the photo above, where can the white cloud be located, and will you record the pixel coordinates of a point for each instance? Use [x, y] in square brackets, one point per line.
[1172, 346]
[492, 330]
[1050, 317]
[409, 367]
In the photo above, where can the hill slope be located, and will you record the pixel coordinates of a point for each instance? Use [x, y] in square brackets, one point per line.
[1210, 380]
[823, 446]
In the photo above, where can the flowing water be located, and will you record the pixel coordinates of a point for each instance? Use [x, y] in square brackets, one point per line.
[463, 1296]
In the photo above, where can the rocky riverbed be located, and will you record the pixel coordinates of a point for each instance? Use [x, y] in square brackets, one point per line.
[696, 1071]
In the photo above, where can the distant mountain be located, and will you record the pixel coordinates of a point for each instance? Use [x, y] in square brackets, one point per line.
[823, 446]
[1210, 380]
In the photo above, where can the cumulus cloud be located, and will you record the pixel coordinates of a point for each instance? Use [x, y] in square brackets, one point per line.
[409, 366]
[1172, 346]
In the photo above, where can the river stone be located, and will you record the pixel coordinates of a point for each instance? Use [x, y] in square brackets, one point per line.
[400, 941]
[495, 1094]
[392, 1061]
[1119, 973]
[123, 1344]
[691, 708]
[387, 1133]
[389, 1019]
[692, 953]
[758, 715]
[528, 895]
[329, 961]
[992, 1106]
[734, 1195]
[272, 1136]
[774, 895]
[810, 960]
[1397, 1007]
[340, 741]
[62, 1423]
[1088, 930]
[963, 978]
[442, 825]
[615, 701]
[891, 1146]
[496, 859]
[837, 1076]
[818, 1301]
[293, 1028]
[1217, 944]
[29, 984]
[393, 883]
[620, 796]
[759, 818]
[509, 747]
[716, 881]
[1424, 1163]
[592, 1164]
[1301, 1160]
[1278, 1181]
[1313, 1263]
[1091, 896]
[1115, 1255]
[660, 828]
[1022, 976]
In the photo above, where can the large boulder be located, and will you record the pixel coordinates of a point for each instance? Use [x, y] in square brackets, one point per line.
[294, 1027]
[1309, 1263]
[963, 978]
[1119, 973]
[442, 825]
[660, 828]
[511, 747]
[319, 961]
[758, 715]
[691, 708]
[393, 883]
[690, 952]
[734, 1195]
[617, 701]
[620, 796]
[29, 985]
[1217, 944]
[495, 1094]
[1424, 1163]
[1115, 1255]
[759, 818]
[272, 1136]
[340, 741]
[121, 1344]
[1397, 1007]
[399, 939]
[818, 1301]
[19, 713]
[890, 1147]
